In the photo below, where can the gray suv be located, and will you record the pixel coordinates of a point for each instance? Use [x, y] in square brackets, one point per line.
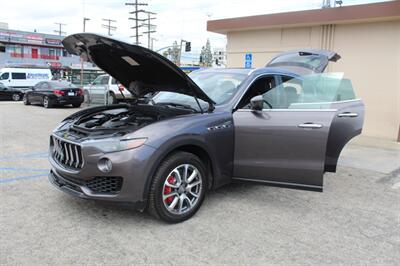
[282, 125]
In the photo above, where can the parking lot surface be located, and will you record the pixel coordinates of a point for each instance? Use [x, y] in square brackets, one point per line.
[356, 219]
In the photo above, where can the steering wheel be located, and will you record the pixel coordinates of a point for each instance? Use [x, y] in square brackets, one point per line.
[269, 105]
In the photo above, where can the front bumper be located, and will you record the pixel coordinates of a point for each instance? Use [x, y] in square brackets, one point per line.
[131, 167]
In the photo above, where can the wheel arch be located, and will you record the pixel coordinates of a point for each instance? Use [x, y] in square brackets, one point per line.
[192, 146]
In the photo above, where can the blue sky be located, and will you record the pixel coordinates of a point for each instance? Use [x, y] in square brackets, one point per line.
[176, 19]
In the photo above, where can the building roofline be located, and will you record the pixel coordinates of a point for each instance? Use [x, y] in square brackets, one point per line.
[339, 15]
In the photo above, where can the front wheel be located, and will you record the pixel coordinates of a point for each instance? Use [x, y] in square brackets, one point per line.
[178, 188]
[76, 105]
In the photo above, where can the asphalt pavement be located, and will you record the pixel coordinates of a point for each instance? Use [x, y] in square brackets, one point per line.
[355, 221]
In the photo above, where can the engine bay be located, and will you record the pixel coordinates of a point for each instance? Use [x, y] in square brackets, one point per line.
[132, 117]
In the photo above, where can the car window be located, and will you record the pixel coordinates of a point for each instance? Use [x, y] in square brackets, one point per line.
[44, 86]
[113, 81]
[104, 80]
[4, 76]
[259, 87]
[97, 81]
[18, 75]
[317, 91]
[38, 85]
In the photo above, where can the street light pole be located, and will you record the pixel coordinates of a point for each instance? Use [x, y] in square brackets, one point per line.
[84, 23]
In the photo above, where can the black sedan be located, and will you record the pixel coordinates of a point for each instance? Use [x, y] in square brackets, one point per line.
[52, 93]
[7, 93]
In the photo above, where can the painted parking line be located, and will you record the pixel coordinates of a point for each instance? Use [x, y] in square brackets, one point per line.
[20, 178]
[24, 155]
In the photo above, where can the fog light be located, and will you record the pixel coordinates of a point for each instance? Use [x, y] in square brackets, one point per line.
[104, 165]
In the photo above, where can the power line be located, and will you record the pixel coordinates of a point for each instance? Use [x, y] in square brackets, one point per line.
[150, 28]
[59, 31]
[136, 12]
[108, 26]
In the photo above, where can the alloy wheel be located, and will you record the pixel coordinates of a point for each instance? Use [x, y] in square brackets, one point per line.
[182, 189]
[16, 97]
[46, 102]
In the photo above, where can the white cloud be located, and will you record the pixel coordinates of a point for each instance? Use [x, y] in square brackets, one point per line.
[176, 19]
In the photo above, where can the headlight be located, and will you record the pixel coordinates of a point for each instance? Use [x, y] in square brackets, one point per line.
[61, 126]
[114, 144]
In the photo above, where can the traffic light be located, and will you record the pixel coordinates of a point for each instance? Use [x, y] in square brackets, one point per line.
[188, 46]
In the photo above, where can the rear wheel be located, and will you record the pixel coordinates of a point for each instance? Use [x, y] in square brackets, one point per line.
[178, 188]
[26, 100]
[47, 102]
[16, 97]
[111, 99]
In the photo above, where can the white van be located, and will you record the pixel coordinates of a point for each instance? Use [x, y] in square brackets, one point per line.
[23, 78]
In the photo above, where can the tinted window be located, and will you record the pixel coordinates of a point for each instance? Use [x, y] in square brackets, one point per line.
[18, 75]
[4, 76]
[61, 85]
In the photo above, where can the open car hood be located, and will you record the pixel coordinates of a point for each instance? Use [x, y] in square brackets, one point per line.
[313, 60]
[139, 69]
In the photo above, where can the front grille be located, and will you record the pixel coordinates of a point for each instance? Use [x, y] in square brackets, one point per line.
[67, 154]
[105, 184]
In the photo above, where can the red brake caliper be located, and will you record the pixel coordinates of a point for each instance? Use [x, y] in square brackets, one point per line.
[168, 189]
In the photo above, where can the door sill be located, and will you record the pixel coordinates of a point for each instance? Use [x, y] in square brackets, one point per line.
[280, 184]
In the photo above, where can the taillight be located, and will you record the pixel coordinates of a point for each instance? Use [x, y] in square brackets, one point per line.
[121, 87]
[58, 92]
[80, 92]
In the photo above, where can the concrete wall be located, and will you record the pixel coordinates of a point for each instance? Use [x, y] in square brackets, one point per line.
[370, 58]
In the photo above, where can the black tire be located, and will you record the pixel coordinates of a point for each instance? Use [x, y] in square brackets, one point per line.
[76, 105]
[156, 205]
[47, 103]
[26, 100]
[111, 99]
[16, 97]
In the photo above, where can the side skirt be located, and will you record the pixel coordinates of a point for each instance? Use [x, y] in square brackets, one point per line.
[280, 184]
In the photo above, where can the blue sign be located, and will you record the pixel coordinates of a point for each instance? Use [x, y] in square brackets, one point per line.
[248, 60]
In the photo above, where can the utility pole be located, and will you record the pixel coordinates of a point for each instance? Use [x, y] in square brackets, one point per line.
[59, 31]
[150, 27]
[136, 4]
[108, 26]
[84, 23]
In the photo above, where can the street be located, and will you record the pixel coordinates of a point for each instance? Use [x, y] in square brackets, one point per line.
[356, 220]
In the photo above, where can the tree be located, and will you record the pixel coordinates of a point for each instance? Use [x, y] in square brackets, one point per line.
[206, 55]
[174, 53]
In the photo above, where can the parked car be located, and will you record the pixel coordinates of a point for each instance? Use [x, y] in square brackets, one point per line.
[7, 93]
[283, 125]
[106, 89]
[54, 93]
[23, 78]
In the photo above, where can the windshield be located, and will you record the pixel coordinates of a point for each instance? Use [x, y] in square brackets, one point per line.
[219, 86]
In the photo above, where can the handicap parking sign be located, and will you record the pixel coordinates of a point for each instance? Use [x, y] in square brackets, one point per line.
[247, 64]
[248, 60]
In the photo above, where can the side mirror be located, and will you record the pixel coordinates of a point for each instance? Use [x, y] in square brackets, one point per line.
[257, 103]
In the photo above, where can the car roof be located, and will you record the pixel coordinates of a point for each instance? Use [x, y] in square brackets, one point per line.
[287, 70]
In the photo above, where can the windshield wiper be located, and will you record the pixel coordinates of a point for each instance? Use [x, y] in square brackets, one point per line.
[185, 106]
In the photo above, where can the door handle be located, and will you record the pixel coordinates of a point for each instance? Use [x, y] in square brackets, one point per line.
[347, 114]
[310, 125]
